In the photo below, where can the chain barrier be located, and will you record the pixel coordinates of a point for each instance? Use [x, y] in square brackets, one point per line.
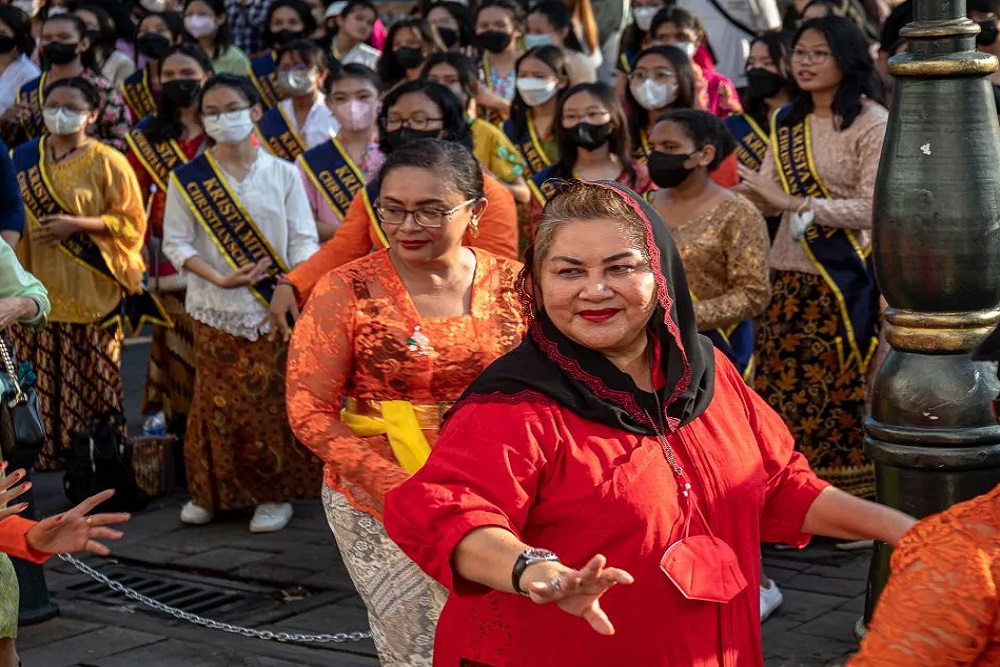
[180, 614]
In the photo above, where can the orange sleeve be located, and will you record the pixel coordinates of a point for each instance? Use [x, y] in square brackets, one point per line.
[940, 605]
[498, 226]
[352, 240]
[728, 173]
[14, 540]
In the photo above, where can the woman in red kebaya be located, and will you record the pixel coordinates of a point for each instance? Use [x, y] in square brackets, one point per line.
[611, 471]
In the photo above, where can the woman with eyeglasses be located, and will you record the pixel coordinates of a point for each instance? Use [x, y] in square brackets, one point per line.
[302, 120]
[286, 21]
[820, 333]
[207, 23]
[236, 219]
[382, 349]
[414, 110]
[594, 145]
[634, 39]
[155, 35]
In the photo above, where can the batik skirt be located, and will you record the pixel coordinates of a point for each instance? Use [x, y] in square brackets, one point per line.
[170, 373]
[239, 450]
[79, 376]
[812, 382]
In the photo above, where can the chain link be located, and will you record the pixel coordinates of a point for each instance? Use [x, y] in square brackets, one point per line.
[180, 614]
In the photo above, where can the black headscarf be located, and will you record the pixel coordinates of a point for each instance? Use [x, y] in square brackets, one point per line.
[583, 380]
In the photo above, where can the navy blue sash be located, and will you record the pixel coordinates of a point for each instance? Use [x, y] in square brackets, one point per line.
[227, 223]
[545, 183]
[641, 152]
[158, 159]
[264, 74]
[30, 94]
[369, 195]
[836, 253]
[530, 146]
[334, 174]
[138, 94]
[751, 140]
[737, 343]
[41, 200]
[277, 135]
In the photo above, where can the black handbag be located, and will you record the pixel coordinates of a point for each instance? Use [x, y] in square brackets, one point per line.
[96, 460]
[22, 429]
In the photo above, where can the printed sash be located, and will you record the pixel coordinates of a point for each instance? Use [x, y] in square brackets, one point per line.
[30, 94]
[642, 151]
[545, 183]
[836, 253]
[369, 195]
[227, 223]
[276, 134]
[737, 343]
[530, 146]
[491, 116]
[158, 159]
[751, 141]
[41, 200]
[138, 94]
[334, 174]
[263, 72]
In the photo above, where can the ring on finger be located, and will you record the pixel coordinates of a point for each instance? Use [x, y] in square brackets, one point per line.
[556, 582]
[90, 520]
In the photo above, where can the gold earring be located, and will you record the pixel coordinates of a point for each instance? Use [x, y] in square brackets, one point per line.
[474, 226]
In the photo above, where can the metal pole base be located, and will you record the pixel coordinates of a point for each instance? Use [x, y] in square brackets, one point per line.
[35, 605]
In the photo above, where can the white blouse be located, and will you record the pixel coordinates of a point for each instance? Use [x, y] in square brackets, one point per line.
[20, 71]
[320, 124]
[273, 195]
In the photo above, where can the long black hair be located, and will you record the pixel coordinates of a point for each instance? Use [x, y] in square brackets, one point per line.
[633, 38]
[166, 124]
[173, 21]
[454, 125]
[462, 16]
[451, 160]
[555, 59]
[560, 17]
[779, 47]
[241, 84]
[687, 95]
[464, 66]
[300, 8]
[20, 25]
[703, 129]
[224, 33]
[618, 143]
[87, 58]
[850, 51]
[388, 67]
[103, 43]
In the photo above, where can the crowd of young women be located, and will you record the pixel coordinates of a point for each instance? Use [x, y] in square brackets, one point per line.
[255, 184]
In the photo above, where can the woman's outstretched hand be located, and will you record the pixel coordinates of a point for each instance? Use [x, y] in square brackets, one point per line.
[12, 487]
[577, 592]
[75, 531]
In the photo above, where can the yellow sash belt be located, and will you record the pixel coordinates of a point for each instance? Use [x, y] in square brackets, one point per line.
[401, 422]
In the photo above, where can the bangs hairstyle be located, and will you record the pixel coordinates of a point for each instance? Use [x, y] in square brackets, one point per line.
[685, 20]
[166, 124]
[308, 52]
[241, 84]
[618, 142]
[356, 71]
[86, 88]
[454, 125]
[459, 12]
[576, 200]
[388, 67]
[555, 59]
[224, 36]
[560, 17]
[88, 58]
[299, 7]
[687, 97]
[465, 67]
[20, 25]
[703, 129]
[449, 161]
[779, 47]
[513, 8]
[850, 51]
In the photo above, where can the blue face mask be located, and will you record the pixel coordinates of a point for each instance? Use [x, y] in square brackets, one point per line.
[531, 41]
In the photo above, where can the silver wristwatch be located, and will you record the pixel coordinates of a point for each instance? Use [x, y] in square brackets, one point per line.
[529, 557]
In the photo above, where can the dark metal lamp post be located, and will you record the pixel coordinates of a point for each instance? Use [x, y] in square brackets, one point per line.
[930, 429]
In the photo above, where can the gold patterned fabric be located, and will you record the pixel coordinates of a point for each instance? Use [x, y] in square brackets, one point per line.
[812, 383]
[170, 372]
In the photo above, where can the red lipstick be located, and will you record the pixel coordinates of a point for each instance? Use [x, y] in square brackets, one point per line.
[598, 316]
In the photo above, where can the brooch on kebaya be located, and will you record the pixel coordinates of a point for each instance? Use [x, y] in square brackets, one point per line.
[418, 343]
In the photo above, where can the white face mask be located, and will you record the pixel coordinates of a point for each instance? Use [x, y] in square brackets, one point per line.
[199, 26]
[64, 121]
[536, 91]
[687, 47]
[154, 6]
[230, 127]
[29, 7]
[652, 95]
[57, 11]
[297, 82]
[532, 40]
[643, 16]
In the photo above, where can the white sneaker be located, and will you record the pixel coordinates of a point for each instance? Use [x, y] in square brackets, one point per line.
[194, 515]
[770, 599]
[270, 517]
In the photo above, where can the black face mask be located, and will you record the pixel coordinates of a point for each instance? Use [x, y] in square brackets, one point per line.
[409, 57]
[987, 33]
[153, 46]
[282, 37]
[7, 44]
[763, 84]
[448, 36]
[589, 136]
[59, 53]
[667, 170]
[405, 135]
[494, 41]
[181, 92]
